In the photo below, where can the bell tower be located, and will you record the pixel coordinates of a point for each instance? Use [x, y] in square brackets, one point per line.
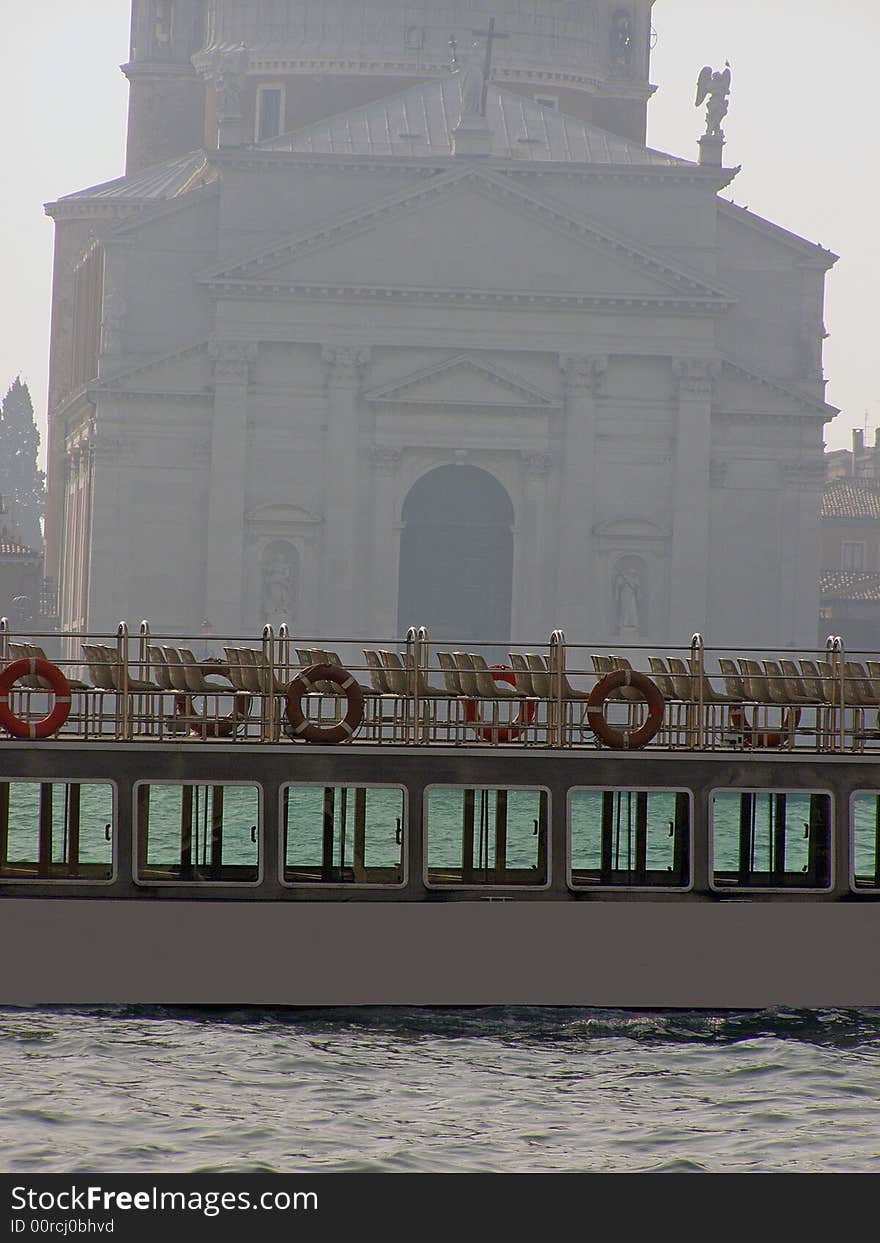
[166, 105]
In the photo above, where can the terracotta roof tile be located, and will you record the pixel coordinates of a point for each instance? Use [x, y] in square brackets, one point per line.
[852, 498]
[849, 585]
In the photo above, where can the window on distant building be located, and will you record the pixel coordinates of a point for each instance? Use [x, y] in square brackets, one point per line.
[548, 101]
[852, 555]
[270, 112]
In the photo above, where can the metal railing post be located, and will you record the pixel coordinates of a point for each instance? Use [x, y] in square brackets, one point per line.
[697, 670]
[123, 721]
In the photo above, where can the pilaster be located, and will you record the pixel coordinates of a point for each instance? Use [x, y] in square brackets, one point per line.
[224, 567]
[584, 380]
[343, 518]
[384, 556]
[688, 576]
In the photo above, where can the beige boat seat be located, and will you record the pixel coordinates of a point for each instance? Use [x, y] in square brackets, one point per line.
[451, 678]
[38, 653]
[540, 674]
[520, 666]
[466, 675]
[782, 689]
[174, 665]
[732, 679]
[662, 678]
[487, 686]
[160, 669]
[194, 676]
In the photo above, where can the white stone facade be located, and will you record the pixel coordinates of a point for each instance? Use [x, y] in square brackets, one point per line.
[294, 336]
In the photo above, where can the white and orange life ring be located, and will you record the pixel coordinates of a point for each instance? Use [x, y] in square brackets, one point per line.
[622, 739]
[310, 731]
[58, 684]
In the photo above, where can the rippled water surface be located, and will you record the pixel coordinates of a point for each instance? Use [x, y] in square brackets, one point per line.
[503, 1090]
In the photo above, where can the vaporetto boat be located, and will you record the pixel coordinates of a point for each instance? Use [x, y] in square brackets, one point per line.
[283, 823]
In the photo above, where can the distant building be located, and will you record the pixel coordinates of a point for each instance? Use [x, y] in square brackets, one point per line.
[347, 348]
[20, 577]
[850, 578]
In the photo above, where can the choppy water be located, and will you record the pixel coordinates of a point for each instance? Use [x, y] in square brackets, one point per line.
[503, 1090]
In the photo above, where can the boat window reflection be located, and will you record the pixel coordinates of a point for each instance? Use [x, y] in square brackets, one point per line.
[630, 838]
[197, 833]
[486, 836]
[343, 834]
[56, 830]
[771, 840]
[865, 838]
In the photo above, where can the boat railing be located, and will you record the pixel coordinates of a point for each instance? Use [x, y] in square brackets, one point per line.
[419, 692]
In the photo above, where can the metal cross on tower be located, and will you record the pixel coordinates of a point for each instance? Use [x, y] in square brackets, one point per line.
[490, 36]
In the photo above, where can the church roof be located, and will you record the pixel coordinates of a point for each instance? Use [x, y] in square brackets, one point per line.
[421, 120]
[851, 498]
[849, 585]
[155, 184]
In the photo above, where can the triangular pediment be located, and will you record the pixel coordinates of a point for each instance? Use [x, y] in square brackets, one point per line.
[470, 229]
[185, 371]
[463, 381]
[743, 391]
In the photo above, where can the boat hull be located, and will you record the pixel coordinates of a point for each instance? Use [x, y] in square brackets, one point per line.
[734, 954]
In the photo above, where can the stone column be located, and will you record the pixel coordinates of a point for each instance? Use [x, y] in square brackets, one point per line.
[224, 567]
[341, 613]
[799, 552]
[689, 569]
[384, 561]
[584, 379]
[530, 620]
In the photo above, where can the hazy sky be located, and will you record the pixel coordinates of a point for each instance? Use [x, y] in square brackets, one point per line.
[802, 124]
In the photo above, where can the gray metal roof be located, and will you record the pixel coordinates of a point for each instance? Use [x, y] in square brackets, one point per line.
[162, 181]
[420, 121]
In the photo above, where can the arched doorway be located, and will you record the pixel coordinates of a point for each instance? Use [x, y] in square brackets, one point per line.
[456, 556]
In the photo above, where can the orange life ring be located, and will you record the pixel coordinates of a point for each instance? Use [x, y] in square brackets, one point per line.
[307, 730]
[621, 739]
[755, 738]
[501, 733]
[59, 686]
[225, 727]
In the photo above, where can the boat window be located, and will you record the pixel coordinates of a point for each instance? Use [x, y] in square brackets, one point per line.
[343, 834]
[865, 830]
[771, 840]
[197, 833]
[56, 830]
[486, 836]
[631, 838]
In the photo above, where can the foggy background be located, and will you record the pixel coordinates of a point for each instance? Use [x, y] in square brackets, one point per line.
[802, 124]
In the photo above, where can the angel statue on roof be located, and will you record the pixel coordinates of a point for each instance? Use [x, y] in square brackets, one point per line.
[716, 85]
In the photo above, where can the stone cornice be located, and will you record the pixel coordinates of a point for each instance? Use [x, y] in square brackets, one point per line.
[427, 165]
[509, 299]
[401, 391]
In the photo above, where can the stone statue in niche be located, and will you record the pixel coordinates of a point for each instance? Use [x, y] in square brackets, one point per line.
[628, 599]
[621, 39]
[471, 77]
[229, 81]
[162, 26]
[280, 563]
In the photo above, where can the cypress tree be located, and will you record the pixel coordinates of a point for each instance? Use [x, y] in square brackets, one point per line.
[22, 485]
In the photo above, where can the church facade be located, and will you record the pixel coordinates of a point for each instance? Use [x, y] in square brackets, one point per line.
[365, 338]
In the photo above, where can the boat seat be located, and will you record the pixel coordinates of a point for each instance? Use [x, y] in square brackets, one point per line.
[540, 674]
[176, 672]
[466, 674]
[682, 679]
[795, 684]
[38, 653]
[782, 690]
[395, 672]
[160, 669]
[730, 676]
[520, 666]
[487, 686]
[196, 682]
[377, 675]
[98, 667]
[662, 678]
[137, 686]
[451, 677]
[756, 682]
[857, 685]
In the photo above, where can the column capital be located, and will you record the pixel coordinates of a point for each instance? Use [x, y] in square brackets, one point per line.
[695, 377]
[385, 459]
[345, 363]
[537, 465]
[232, 360]
[584, 373]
